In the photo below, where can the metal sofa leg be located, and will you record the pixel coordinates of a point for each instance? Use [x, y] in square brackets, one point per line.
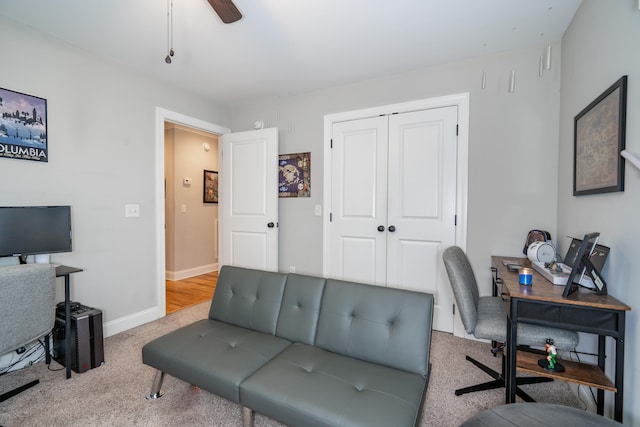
[248, 417]
[155, 392]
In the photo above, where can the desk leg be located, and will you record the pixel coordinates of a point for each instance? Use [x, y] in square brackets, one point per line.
[512, 349]
[601, 359]
[617, 414]
[67, 325]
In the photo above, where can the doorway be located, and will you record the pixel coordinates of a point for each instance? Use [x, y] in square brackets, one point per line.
[191, 217]
[192, 124]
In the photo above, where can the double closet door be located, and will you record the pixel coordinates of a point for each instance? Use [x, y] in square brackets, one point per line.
[393, 196]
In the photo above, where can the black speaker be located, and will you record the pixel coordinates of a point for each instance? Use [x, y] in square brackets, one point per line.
[87, 346]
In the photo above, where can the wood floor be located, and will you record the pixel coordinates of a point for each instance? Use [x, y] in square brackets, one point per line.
[194, 290]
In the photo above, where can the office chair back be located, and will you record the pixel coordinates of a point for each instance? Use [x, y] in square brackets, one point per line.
[27, 303]
[464, 285]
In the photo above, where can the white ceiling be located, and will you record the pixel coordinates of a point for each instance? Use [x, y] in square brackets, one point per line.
[285, 47]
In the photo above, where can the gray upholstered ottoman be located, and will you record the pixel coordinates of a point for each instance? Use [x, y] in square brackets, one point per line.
[537, 415]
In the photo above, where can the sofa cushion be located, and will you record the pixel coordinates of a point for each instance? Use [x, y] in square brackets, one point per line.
[308, 386]
[388, 326]
[212, 355]
[248, 298]
[298, 318]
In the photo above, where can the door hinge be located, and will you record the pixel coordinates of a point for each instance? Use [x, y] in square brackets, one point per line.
[455, 220]
[454, 309]
[331, 144]
[456, 130]
[330, 216]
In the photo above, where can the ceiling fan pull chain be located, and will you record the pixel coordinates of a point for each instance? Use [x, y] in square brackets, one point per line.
[167, 59]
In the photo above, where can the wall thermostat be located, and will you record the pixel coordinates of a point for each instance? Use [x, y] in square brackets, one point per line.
[541, 252]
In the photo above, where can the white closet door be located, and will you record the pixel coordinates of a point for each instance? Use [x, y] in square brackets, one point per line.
[358, 202]
[422, 204]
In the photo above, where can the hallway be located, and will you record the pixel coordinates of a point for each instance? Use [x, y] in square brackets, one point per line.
[191, 291]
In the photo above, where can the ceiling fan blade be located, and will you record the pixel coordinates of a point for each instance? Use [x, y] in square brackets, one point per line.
[226, 10]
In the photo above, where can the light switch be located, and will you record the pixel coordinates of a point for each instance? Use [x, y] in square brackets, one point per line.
[183, 208]
[131, 211]
[318, 210]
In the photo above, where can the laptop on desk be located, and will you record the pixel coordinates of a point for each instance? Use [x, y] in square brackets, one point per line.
[598, 258]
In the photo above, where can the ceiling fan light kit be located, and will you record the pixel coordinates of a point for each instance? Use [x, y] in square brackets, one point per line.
[226, 10]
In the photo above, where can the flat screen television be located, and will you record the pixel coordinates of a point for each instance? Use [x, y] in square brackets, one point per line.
[33, 230]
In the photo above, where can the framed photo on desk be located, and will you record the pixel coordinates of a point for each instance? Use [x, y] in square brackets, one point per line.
[582, 264]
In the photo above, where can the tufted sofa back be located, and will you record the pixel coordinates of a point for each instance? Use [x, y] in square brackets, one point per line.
[248, 298]
[298, 320]
[387, 326]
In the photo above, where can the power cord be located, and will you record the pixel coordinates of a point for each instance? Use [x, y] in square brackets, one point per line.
[593, 397]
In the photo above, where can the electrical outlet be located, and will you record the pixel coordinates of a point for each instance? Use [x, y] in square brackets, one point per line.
[292, 269]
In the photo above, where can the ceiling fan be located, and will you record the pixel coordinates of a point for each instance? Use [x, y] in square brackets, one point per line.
[226, 10]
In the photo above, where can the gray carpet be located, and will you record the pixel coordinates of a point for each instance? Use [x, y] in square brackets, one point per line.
[113, 394]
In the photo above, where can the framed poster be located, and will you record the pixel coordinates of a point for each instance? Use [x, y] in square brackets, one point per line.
[210, 193]
[599, 137]
[294, 175]
[23, 126]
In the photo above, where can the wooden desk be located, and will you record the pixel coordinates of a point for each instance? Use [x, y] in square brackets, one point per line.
[65, 271]
[542, 303]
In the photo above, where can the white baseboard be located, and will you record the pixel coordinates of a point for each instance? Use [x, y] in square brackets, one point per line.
[131, 321]
[190, 272]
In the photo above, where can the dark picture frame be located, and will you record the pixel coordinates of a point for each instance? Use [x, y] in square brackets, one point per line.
[599, 137]
[582, 264]
[23, 126]
[210, 187]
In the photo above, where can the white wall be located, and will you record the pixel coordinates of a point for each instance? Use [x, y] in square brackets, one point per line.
[101, 126]
[600, 46]
[512, 149]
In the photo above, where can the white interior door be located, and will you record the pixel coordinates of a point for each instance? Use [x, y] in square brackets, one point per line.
[358, 200]
[249, 199]
[422, 204]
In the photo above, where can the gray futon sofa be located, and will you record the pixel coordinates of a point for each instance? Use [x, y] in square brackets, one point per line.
[305, 351]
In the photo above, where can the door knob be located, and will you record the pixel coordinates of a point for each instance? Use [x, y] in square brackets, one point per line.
[392, 228]
[381, 228]
[271, 225]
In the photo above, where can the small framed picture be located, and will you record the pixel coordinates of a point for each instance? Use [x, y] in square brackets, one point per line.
[210, 194]
[294, 175]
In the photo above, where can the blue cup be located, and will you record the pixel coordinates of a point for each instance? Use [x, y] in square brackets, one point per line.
[526, 276]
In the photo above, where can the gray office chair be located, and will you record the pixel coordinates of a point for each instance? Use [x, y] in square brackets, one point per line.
[27, 304]
[486, 318]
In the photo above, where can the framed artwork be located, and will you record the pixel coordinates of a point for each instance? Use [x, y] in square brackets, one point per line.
[23, 126]
[294, 175]
[210, 194]
[599, 137]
